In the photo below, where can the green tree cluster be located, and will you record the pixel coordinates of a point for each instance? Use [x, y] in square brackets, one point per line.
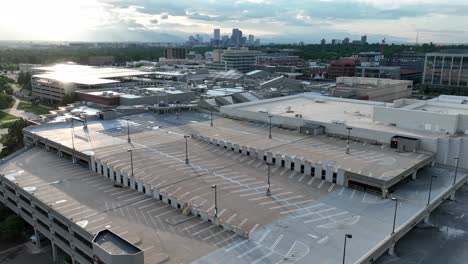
[13, 140]
[5, 85]
[24, 79]
[11, 225]
[69, 98]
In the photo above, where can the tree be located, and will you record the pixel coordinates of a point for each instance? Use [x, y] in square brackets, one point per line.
[69, 98]
[11, 227]
[13, 140]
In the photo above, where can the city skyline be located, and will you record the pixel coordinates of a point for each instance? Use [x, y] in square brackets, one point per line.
[272, 21]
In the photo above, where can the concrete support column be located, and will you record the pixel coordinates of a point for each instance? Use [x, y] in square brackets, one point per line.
[38, 238]
[269, 157]
[340, 177]
[118, 176]
[47, 147]
[413, 176]
[236, 147]
[329, 174]
[433, 163]
[252, 152]
[92, 161]
[132, 182]
[391, 250]
[60, 153]
[244, 150]
[105, 172]
[278, 159]
[124, 179]
[452, 196]
[426, 219]
[287, 160]
[99, 168]
[307, 168]
[318, 170]
[297, 164]
[260, 154]
[229, 145]
[54, 252]
[140, 185]
[111, 173]
[384, 192]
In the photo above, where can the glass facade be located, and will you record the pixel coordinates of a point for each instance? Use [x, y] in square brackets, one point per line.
[446, 69]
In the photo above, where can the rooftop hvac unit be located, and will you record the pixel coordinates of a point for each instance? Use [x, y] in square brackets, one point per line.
[289, 109]
[319, 101]
[298, 115]
[339, 122]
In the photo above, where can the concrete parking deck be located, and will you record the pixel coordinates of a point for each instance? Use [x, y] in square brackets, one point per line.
[90, 202]
[303, 221]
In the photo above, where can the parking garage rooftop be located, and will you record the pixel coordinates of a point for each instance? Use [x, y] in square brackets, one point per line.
[314, 212]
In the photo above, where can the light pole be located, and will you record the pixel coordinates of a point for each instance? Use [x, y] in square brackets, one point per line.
[216, 200]
[430, 190]
[269, 135]
[186, 150]
[131, 161]
[72, 130]
[344, 248]
[347, 141]
[394, 215]
[211, 115]
[268, 191]
[456, 170]
[128, 132]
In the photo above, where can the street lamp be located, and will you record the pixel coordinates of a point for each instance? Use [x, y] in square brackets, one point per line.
[128, 132]
[347, 141]
[344, 248]
[394, 215]
[211, 115]
[131, 161]
[268, 191]
[430, 190]
[456, 170]
[72, 130]
[186, 150]
[216, 200]
[269, 136]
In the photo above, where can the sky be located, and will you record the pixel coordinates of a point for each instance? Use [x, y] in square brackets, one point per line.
[280, 21]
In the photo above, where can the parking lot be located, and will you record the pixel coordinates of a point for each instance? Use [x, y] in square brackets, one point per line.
[304, 219]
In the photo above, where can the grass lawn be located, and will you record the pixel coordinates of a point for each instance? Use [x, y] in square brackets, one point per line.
[6, 117]
[36, 109]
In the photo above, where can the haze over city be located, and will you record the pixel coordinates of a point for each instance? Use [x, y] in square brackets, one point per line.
[279, 21]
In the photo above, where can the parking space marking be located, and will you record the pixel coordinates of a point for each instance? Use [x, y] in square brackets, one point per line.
[331, 187]
[276, 242]
[311, 181]
[204, 229]
[263, 257]
[194, 225]
[249, 251]
[237, 245]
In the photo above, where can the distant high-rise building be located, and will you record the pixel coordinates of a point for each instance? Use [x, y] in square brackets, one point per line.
[346, 41]
[217, 34]
[243, 41]
[336, 41]
[323, 42]
[251, 40]
[364, 39]
[236, 37]
[175, 53]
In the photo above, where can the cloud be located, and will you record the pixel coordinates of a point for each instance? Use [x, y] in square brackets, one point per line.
[307, 20]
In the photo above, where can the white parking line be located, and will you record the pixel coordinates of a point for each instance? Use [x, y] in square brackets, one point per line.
[236, 245]
[311, 181]
[321, 183]
[253, 229]
[276, 242]
[194, 225]
[230, 218]
[331, 187]
[249, 251]
[203, 230]
[262, 257]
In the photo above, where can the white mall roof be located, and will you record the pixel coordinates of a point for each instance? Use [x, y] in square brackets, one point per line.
[87, 75]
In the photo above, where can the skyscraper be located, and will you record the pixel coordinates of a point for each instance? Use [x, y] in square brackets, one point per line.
[236, 37]
[251, 40]
[217, 34]
[364, 39]
[323, 42]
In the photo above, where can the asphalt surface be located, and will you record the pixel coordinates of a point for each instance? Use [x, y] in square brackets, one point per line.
[444, 241]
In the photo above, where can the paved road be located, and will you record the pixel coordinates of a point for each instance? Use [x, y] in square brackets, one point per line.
[446, 241]
[19, 113]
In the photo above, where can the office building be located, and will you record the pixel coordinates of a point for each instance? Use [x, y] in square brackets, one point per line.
[448, 68]
[251, 40]
[240, 59]
[346, 41]
[52, 83]
[376, 71]
[236, 37]
[323, 42]
[342, 67]
[175, 53]
[364, 39]
[372, 89]
[217, 34]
